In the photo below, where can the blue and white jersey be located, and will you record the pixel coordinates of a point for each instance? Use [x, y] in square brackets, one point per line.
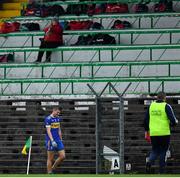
[54, 124]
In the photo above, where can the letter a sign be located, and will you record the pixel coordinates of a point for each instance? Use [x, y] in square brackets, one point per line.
[115, 163]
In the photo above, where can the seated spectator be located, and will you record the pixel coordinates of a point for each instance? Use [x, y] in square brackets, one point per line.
[52, 39]
[32, 4]
[30, 9]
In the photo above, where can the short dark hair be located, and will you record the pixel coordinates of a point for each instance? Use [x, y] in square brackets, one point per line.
[57, 108]
[161, 95]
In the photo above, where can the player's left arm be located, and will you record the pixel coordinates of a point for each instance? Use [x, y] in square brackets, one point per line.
[171, 115]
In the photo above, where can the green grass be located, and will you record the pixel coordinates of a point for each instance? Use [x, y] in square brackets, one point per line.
[90, 175]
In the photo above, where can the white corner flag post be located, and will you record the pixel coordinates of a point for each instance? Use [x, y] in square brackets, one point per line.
[29, 155]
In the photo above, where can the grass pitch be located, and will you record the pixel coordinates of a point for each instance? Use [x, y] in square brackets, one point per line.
[90, 175]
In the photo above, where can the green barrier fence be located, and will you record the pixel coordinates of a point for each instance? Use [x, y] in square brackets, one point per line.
[100, 2]
[113, 49]
[16, 87]
[101, 16]
[93, 32]
[131, 32]
[90, 70]
[47, 84]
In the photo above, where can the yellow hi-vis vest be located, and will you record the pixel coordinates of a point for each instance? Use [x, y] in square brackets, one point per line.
[158, 120]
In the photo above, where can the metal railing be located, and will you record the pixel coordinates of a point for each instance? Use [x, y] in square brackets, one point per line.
[89, 70]
[151, 17]
[112, 56]
[47, 83]
[132, 32]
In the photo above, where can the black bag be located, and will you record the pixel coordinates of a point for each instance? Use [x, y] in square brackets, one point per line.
[56, 10]
[76, 9]
[141, 8]
[82, 40]
[96, 26]
[31, 26]
[118, 24]
[164, 6]
[127, 24]
[96, 9]
[7, 58]
[98, 39]
[43, 11]
[102, 39]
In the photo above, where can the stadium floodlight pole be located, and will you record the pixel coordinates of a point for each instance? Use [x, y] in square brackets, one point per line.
[29, 155]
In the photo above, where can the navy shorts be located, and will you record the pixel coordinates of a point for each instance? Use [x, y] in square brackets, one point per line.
[59, 147]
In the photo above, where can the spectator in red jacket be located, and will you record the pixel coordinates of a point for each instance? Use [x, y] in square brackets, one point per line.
[52, 39]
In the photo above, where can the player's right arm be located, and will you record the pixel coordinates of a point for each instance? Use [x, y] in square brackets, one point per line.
[48, 129]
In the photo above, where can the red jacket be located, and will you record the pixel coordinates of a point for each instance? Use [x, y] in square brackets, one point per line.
[53, 33]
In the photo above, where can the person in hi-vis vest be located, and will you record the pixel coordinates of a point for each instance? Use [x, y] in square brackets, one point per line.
[159, 117]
